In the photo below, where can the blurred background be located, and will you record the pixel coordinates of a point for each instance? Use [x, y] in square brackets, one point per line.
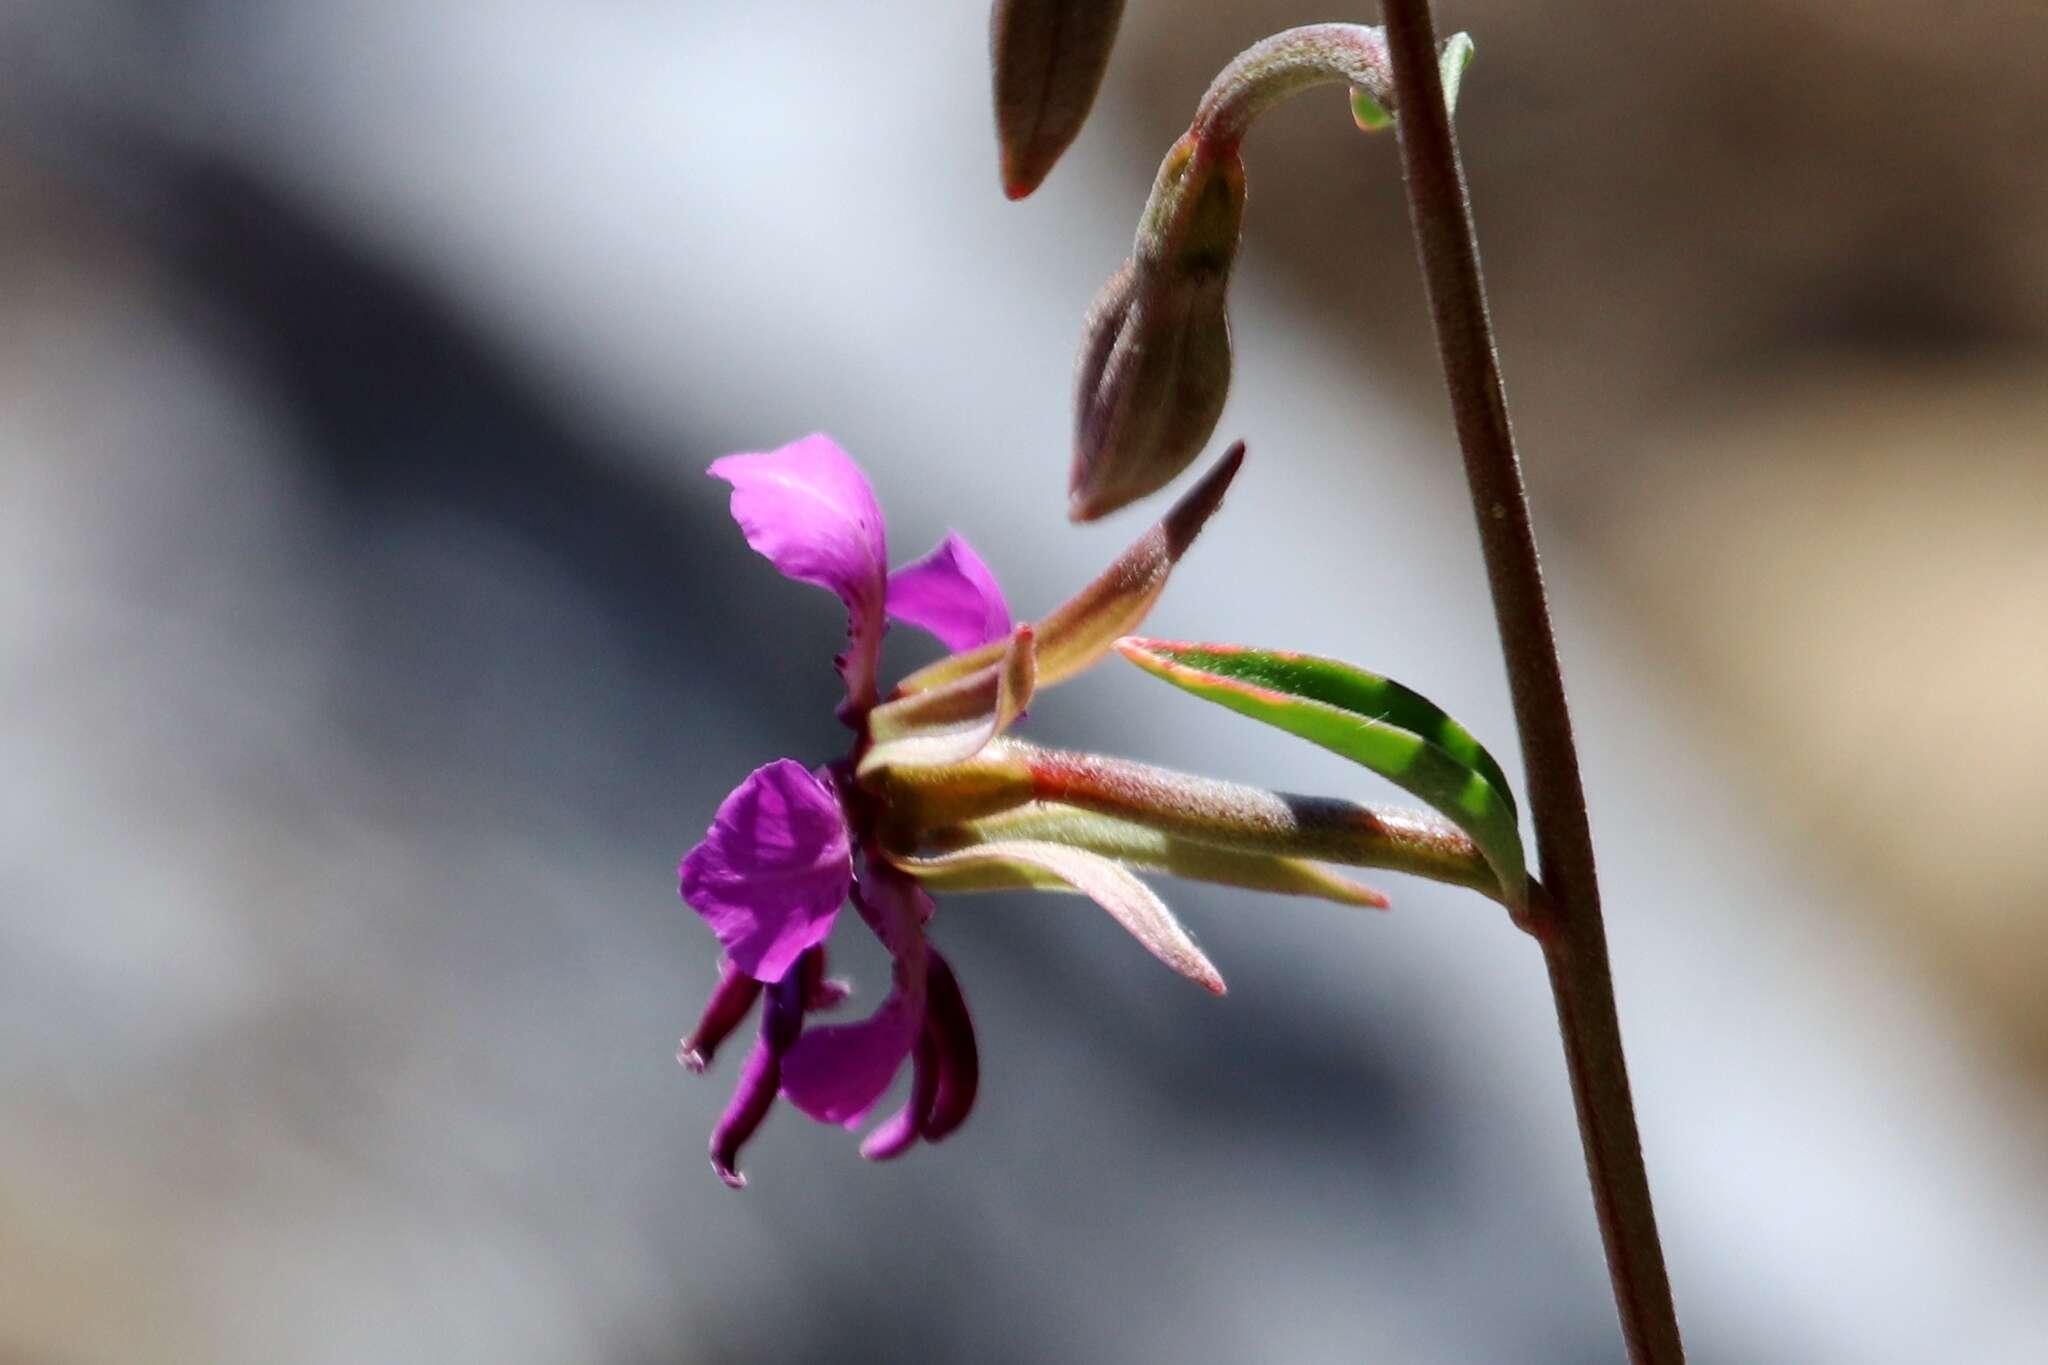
[371, 646]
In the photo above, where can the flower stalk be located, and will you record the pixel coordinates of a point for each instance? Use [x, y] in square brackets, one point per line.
[1566, 918]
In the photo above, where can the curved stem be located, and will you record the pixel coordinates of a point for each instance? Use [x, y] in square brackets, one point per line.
[1285, 64]
[1568, 921]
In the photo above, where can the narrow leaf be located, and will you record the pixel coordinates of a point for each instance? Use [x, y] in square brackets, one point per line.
[953, 723]
[1129, 901]
[1144, 850]
[1368, 719]
[1082, 630]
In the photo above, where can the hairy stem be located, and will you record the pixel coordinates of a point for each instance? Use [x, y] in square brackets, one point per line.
[1284, 65]
[1567, 918]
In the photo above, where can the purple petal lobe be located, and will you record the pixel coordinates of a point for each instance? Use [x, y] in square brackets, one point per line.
[837, 1074]
[773, 870]
[900, 1132]
[750, 1102]
[821, 992]
[730, 1000]
[952, 594]
[760, 1078]
[809, 511]
[951, 1031]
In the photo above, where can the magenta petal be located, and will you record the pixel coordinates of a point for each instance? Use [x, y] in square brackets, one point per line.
[821, 992]
[950, 1029]
[952, 594]
[837, 1074]
[750, 1103]
[760, 1078]
[899, 1133]
[809, 510]
[730, 1001]
[773, 870]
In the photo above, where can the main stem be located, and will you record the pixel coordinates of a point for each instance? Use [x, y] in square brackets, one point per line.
[1566, 920]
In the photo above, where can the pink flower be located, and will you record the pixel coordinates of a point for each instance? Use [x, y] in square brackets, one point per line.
[791, 844]
[779, 860]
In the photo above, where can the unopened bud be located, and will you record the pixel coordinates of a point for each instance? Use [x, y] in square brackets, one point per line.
[1049, 57]
[1155, 354]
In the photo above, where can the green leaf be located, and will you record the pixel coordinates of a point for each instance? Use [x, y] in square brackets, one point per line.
[1129, 901]
[1368, 113]
[1147, 850]
[1370, 720]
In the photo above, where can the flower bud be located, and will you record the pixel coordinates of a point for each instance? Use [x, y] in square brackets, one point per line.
[1155, 354]
[1049, 57]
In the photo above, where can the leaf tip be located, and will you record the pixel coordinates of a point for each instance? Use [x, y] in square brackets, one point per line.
[1193, 511]
[1363, 896]
[1139, 649]
[1452, 65]
[1368, 113]
[1189, 961]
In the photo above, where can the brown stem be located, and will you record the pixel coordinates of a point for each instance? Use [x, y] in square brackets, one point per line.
[1568, 921]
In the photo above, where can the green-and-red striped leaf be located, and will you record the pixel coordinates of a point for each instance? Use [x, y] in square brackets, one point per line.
[1370, 720]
